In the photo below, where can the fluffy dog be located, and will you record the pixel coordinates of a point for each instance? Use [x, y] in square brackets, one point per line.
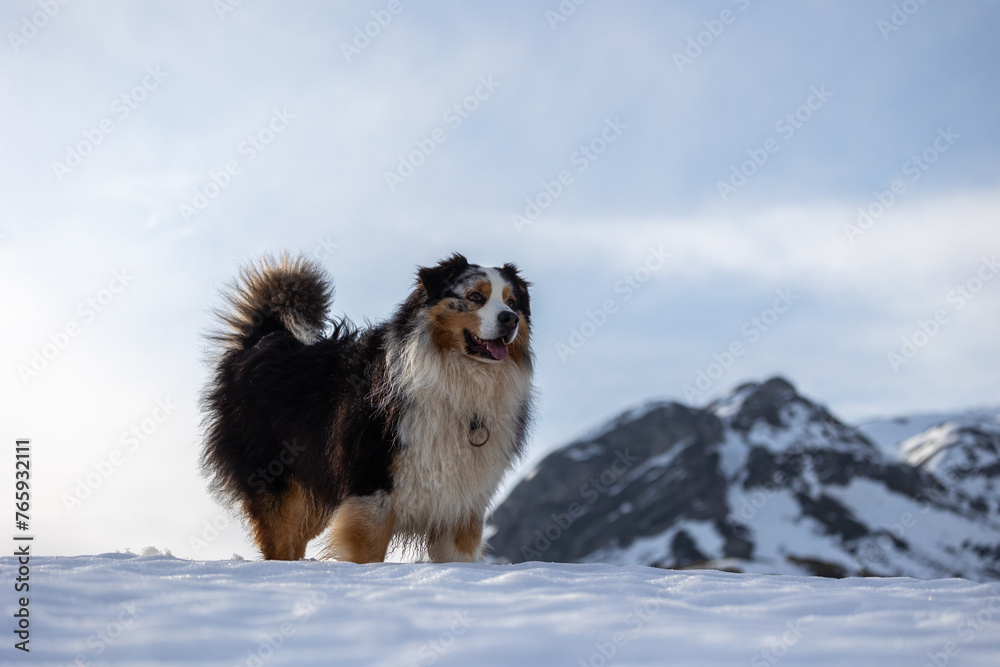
[403, 429]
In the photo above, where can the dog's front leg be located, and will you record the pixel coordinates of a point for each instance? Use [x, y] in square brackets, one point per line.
[462, 543]
[361, 529]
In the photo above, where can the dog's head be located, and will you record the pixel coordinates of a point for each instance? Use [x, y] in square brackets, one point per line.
[480, 311]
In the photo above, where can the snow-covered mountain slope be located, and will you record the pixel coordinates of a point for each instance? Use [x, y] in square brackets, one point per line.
[961, 449]
[964, 452]
[136, 611]
[888, 433]
[763, 480]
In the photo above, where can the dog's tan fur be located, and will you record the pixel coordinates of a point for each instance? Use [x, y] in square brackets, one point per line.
[282, 526]
[448, 327]
[361, 530]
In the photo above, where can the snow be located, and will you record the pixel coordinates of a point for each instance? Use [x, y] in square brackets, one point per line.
[930, 533]
[652, 549]
[584, 452]
[921, 448]
[705, 537]
[934, 443]
[640, 551]
[888, 433]
[798, 430]
[779, 531]
[731, 403]
[121, 609]
[732, 455]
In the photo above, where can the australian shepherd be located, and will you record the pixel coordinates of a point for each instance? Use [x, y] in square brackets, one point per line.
[404, 429]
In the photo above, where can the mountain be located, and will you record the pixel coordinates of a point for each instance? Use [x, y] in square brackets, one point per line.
[763, 480]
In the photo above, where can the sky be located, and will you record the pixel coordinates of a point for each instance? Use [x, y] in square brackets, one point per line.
[701, 193]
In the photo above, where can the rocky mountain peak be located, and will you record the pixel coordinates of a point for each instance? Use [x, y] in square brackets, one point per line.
[754, 401]
[763, 479]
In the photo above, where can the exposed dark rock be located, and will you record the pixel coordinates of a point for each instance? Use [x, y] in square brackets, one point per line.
[819, 568]
[685, 551]
[834, 517]
[738, 540]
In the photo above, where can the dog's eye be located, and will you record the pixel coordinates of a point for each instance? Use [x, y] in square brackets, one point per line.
[511, 304]
[476, 297]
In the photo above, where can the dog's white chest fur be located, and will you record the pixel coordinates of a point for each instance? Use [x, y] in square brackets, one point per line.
[439, 478]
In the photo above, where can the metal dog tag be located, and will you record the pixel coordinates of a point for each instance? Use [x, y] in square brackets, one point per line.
[479, 436]
[478, 433]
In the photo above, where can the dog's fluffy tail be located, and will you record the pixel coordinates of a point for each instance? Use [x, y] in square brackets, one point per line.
[285, 293]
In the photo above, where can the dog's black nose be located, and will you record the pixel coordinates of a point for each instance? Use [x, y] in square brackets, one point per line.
[508, 319]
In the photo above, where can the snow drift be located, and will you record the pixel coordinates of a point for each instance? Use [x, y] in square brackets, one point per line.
[121, 609]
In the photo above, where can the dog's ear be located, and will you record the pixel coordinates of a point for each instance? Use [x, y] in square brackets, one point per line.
[520, 285]
[437, 280]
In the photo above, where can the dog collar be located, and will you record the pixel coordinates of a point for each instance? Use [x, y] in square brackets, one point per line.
[478, 433]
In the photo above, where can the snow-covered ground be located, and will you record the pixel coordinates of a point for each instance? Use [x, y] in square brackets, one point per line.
[143, 610]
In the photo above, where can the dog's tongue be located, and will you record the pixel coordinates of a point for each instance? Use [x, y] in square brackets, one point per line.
[497, 349]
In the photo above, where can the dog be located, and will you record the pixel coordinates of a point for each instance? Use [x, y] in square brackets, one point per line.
[404, 429]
